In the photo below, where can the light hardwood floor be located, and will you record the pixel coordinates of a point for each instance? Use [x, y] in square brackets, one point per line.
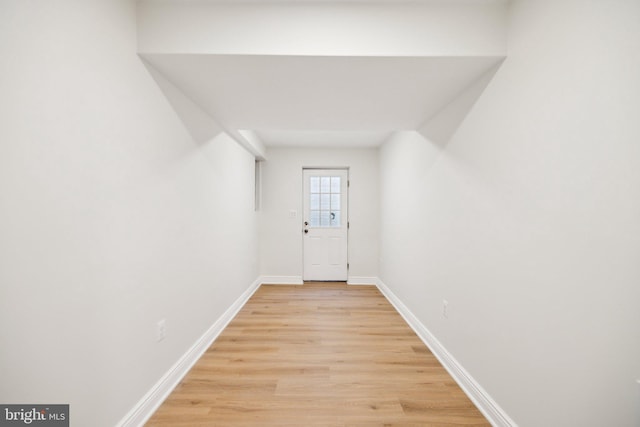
[321, 354]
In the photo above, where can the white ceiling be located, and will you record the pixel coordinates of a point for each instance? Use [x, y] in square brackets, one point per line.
[333, 1]
[304, 100]
[322, 138]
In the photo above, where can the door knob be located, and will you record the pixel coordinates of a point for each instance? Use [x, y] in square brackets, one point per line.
[306, 231]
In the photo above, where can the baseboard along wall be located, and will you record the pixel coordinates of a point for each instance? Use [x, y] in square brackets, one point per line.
[281, 280]
[355, 280]
[297, 280]
[489, 408]
[152, 400]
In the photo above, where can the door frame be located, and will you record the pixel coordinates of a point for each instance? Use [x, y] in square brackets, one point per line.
[345, 169]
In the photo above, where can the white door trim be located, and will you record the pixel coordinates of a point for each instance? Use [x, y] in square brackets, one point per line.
[325, 242]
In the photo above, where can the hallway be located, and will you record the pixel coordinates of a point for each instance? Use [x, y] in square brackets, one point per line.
[151, 179]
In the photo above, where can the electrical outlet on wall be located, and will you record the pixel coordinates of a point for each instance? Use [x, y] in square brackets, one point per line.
[161, 330]
[445, 306]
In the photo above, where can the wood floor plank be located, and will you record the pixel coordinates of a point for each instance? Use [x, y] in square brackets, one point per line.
[320, 354]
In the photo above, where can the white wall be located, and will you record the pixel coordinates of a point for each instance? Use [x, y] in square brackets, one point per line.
[323, 28]
[529, 220]
[111, 216]
[281, 236]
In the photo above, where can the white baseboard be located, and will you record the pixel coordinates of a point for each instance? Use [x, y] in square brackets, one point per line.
[355, 280]
[297, 280]
[489, 408]
[281, 280]
[151, 401]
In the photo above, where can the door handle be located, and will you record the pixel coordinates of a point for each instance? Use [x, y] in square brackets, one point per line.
[306, 231]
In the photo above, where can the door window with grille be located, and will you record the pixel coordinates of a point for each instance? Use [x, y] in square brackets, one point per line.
[324, 201]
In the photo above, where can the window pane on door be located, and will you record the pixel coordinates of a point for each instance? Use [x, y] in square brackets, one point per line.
[314, 202]
[325, 219]
[325, 184]
[335, 219]
[335, 184]
[324, 201]
[315, 184]
[314, 219]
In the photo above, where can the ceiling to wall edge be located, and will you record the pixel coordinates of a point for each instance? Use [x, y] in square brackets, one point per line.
[432, 74]
[314, 90]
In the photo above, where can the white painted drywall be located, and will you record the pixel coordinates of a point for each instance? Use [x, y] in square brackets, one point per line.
[529, 220]
[281, 235]
[323, 28]
[111, 216]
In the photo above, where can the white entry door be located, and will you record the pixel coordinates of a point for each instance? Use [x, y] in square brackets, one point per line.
[325, 224]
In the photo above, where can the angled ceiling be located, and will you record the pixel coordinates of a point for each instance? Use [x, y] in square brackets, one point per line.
[300, 99]
[320, 93]
[322, 138]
